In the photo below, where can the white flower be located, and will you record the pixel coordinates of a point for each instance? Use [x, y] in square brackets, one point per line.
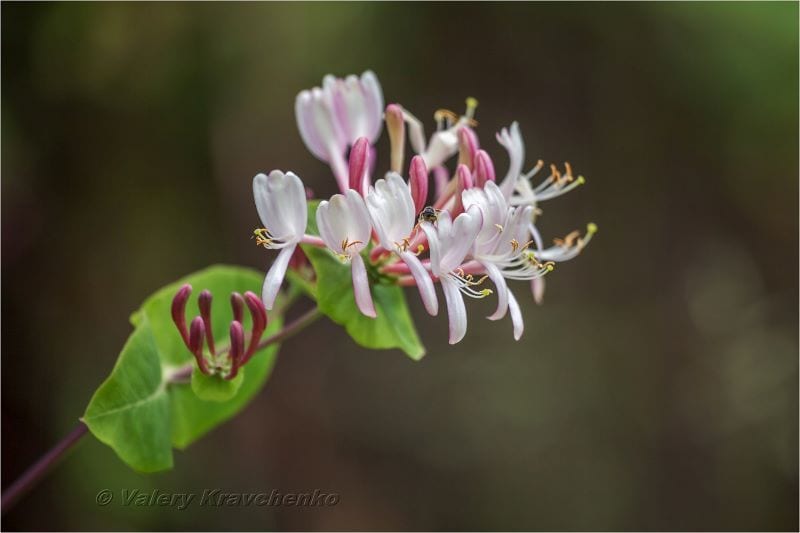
[344, 225]
[281, 204]
[332, 117]
[501, 247]
[450, 241]
[444, 143]
[393, 215]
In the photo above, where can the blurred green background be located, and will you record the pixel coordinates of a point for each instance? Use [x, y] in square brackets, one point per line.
[656, 388]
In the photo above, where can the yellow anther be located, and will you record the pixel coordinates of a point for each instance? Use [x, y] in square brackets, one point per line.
[347, 244]
[261, 235]
[514, 245]
[499, 227]
[445, 114]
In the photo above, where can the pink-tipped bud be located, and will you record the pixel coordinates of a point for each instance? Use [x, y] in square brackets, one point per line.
[237, 348]
[484, 168]
[259, 314]
[237, 304]
[396, 127]
[204, 303]
[464, 179]
[418, 182]
[179, 311]
[197, 332]
[440, 178]
[359, 154]
[467, 146]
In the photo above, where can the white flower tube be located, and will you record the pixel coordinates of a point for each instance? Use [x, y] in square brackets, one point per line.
[344, 225]
[450, 241]
[281, 203]
[393, 214]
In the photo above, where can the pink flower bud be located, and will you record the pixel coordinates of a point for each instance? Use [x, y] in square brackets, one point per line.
[465, 180]
[396, 126]
[358, 164]
[196, 335]
[484, 168]
[467, 146]
[179, 311]
[237, 304]
[204, 303]
[259, 314]
[236, 353]
[464, 177]
[418, 182]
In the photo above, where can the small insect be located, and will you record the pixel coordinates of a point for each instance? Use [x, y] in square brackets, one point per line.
[428, 214]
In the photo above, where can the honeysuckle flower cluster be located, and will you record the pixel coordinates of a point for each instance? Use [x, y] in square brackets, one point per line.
[459, 227]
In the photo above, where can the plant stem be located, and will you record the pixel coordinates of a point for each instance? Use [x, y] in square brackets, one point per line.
[38, 470]
[41, 467]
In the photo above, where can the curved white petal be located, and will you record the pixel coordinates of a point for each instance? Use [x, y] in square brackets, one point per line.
[272, 283]
[516, 316]
[280, 200]
[373, 96]
[537, 288]
[502, 290]
[424, 282]
[361, 287]
[462, 236]
[456, 311]
[512, 142]
[434, 244]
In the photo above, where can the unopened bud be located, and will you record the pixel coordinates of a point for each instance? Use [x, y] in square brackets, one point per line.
[259, 314]
[418, 182]
[396, 127]
[204, 303]
[464, 179]
[236, 352]
[484, 168]
[196, 335]
[467, 146]
[359, 154]
[179, 311]
[237, 304]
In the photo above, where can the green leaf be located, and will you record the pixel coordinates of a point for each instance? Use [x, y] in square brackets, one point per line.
[333, 292]
[392, 328]
[214, 388]
[130, 410]
[137, 410]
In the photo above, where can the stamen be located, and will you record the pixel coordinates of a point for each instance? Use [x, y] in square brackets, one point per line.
[567, 241]
[499, 227]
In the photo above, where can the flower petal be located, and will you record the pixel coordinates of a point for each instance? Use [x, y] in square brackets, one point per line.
[272, 283]
[424, 282]
[516, 316]
[512, 142]
[462, 236]
[456, 311]
[361, 287]
[502, 290]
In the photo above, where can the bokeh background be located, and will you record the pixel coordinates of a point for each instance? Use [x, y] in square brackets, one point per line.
[656, 388]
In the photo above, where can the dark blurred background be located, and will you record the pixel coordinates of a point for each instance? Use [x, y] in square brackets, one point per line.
[656, 388]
